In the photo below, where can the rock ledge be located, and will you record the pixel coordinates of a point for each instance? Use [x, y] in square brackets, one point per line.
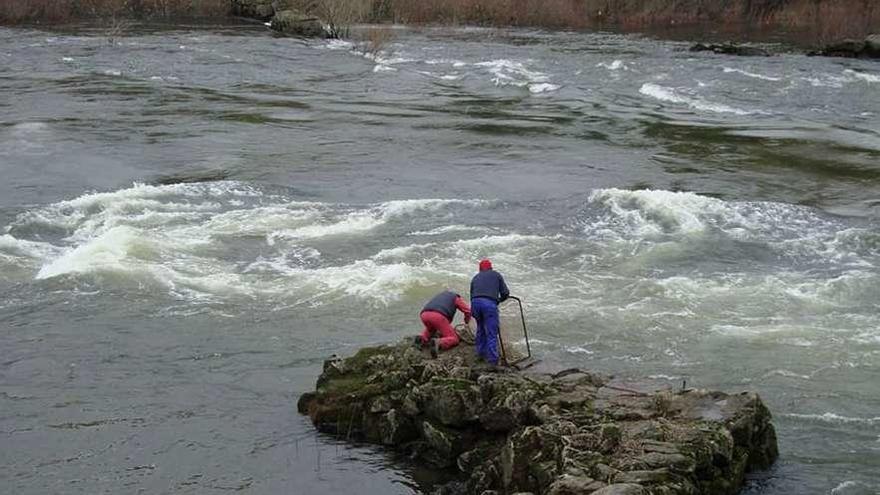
[557, 434]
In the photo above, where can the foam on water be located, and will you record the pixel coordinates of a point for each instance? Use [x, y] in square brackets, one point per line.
[832, 418]
[670, 95]
[368, 280]
[227, 239]
[651, 212]
[180, 236]
[512, 73]
[850, 487]
[828, 80]
[25, 129]
[462, 252]
[613, 66]
[503, 72]
[19, 248]
[794, 268]
[731, 70]
[863, 76]
[542, 88]
[352, 223]
[791, 229]
[664, 377]
[107, 252]
[337, 44]
[578, 350]
[787, 374]
[446, 61]
[446, 229]
[364, 220]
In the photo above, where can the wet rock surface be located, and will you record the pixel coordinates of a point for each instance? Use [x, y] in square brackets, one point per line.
[283, 15]
[572, 432]
[852, 48]
[295, 23]
[731, 49]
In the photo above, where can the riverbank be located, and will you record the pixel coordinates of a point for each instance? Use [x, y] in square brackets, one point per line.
[806, 22]
[54, 12]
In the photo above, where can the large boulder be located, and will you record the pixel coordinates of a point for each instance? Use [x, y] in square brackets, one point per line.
[295, 23]
[845, 48]
[852, 48]
[872, 45]
[254, 9]
[564, 434]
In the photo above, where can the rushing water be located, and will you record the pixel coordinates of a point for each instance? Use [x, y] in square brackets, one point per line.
[194, 218]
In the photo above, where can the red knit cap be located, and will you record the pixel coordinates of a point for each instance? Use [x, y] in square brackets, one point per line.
[485, 265]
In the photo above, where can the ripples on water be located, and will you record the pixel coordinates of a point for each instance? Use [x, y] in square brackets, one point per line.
[193, 219]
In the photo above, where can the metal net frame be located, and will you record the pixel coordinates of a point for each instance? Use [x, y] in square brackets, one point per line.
[511, 331]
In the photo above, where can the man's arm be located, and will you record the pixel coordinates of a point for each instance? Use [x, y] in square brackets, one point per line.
[505, 292]
[463, 307]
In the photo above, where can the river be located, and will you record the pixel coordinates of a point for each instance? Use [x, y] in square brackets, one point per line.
[193, 218]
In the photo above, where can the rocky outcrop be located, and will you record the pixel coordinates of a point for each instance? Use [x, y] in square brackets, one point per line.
[850, 48]
[572, 432]
[731, 49]
[254, 9]
[872, 45]
[294, 23]
[283, 16]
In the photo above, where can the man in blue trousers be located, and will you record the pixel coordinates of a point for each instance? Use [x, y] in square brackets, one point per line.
[487, 290]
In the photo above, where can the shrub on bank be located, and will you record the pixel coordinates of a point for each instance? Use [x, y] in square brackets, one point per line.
[545, 13]
[821, 20]
[56, 11]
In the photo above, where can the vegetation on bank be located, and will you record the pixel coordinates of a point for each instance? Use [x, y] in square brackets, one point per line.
[822, 20]
[58, 11]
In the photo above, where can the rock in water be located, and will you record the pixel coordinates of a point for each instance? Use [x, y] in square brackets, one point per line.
[294, 23]
[849, 48]
[872, 45]
[845, 48]
[731, 49]
[563, 434]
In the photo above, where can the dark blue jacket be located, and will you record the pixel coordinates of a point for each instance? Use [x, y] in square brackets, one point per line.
[489, 284]
[446, 303]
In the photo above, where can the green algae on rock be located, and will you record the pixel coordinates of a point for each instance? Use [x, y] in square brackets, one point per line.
[565, 433]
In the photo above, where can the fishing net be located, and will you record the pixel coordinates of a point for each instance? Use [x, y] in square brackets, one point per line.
[512, 331]
[466, 332]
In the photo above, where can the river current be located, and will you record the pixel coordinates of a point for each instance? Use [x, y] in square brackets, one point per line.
[193, 218]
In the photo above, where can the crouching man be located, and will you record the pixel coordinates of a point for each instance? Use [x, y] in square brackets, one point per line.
[437, 317]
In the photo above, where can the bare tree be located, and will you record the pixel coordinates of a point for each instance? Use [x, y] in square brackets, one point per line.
[338, 15]
[376, 39]
[116, 27]
[341, 14]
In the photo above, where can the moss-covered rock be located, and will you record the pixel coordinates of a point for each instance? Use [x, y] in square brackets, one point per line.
[295, 23]
[572, 432]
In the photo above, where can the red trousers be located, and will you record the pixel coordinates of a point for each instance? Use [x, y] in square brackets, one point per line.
[437, 322]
